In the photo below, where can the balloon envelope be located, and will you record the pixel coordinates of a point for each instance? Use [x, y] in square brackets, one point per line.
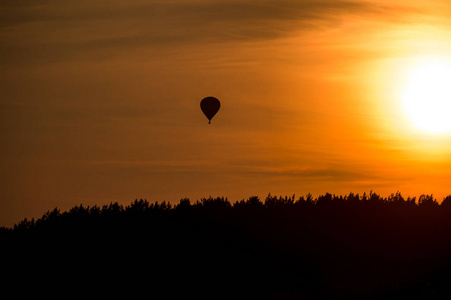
[210, 107]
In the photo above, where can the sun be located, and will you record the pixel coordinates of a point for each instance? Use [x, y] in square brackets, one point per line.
[426, 95]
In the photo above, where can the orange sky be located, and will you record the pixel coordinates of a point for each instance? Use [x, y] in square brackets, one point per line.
[100, 100]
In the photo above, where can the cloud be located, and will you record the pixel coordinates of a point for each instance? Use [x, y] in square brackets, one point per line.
[43, 31]
[196, 12]
[331, 173]
[46, 32]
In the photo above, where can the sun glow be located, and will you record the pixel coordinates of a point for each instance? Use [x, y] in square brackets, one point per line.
[426, 95]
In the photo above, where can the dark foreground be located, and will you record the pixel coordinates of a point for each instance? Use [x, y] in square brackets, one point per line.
[362, 247]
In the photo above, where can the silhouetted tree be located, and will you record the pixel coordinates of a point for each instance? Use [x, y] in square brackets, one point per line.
[396, 198]
[252, 202]
[112, 209]
[184, 205]
[24, 225]
[353, 198]
[304, 203]
[279, 202]
[324, 200]
[427, 201]
[446, 203]
[411, 201]
[139, 206]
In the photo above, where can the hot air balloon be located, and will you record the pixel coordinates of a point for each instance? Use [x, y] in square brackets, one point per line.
[210, 107]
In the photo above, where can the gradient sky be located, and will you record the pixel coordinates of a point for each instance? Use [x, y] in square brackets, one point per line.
[99, 100]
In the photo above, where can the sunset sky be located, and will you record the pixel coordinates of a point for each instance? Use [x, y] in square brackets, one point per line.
[99, 100]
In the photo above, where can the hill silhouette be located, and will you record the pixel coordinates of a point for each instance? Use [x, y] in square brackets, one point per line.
[352, 246]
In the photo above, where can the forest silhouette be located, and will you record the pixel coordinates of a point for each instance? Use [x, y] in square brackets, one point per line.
[349, 246]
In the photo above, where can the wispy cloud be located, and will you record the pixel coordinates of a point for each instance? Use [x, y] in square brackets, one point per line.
[43, 31]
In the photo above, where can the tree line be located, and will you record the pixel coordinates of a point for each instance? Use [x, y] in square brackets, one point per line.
[280, 247]
[425, 203]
